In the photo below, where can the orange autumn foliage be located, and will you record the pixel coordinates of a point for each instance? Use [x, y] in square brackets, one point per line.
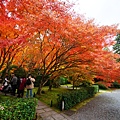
[56, 40]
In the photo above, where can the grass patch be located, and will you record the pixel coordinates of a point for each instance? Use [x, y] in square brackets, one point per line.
[4, 98]
[52, 95]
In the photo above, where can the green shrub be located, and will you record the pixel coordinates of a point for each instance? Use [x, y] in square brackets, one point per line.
[18, 109]
[86, 83]
[38, 80]
[63, 80]
[116, 84]
[73, 97]
[102, 86]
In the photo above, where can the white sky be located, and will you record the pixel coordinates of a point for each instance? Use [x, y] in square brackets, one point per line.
[105, 12]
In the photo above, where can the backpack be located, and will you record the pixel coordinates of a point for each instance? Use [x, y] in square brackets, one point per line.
[28, 82]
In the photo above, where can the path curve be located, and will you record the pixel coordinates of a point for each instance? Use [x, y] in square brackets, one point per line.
[105, 106]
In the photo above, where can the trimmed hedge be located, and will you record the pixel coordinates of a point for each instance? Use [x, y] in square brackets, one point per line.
[18, 109]
[73, 97]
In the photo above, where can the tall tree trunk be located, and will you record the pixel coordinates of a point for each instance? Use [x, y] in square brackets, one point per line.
[39, 89]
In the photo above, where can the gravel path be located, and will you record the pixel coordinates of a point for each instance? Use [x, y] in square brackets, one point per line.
[105, 106]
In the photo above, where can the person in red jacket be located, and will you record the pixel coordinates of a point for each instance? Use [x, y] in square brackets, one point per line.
[21, 87]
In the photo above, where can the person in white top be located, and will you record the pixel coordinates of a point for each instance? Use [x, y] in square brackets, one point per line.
[30, 86]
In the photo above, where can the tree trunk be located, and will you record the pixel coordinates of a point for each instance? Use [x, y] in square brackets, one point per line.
[39, 89]
[73, 84]
[50, 85]
[42, 83]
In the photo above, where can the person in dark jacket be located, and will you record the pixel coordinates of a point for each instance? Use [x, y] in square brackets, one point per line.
[14, 83]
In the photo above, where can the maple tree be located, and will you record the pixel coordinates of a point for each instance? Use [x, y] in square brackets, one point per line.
[45, 35]
[20, 19]
[106, 68]
[11, 37]
[76, 49]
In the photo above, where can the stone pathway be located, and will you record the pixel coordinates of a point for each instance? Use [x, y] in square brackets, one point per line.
[105, 106]
[46, 113]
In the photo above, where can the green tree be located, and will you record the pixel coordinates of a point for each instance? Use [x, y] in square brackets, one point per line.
[116, 47]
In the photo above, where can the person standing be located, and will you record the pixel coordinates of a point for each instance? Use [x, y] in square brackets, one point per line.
[29, 86]
[5, 84]
[14, 83]
[21, 87]
[6, 81]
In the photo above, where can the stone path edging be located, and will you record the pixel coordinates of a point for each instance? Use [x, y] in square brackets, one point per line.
[46, 113]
